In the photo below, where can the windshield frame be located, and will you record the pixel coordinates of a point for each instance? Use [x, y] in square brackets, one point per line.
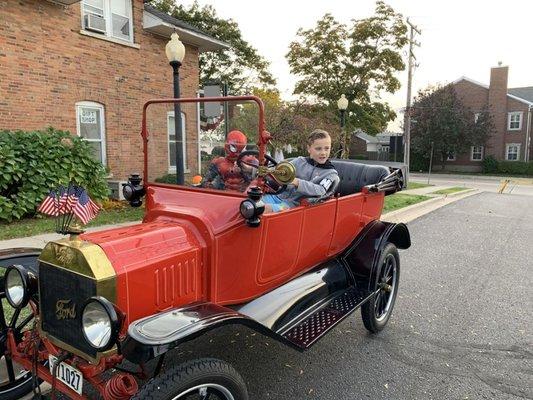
[262, 135]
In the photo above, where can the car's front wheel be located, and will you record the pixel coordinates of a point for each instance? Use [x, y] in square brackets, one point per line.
[376, 312]
[203, 379]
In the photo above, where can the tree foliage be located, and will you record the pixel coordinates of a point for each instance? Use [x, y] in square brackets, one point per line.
[289, 122]
[439, 117]
[359, 60]
[241, 66]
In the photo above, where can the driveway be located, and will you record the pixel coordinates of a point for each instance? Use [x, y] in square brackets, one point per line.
[461, 329]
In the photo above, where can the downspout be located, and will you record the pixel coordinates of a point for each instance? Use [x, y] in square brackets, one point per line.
[528, 134]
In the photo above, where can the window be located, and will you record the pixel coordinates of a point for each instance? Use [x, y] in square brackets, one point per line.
[512, 152]
[476, 153]
[451, 156]
[514, 121]
[172, 142]
[476, 117]
[90, 125]
[111, 18]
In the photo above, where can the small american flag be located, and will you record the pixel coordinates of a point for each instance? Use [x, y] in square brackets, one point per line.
[49, 206]
[85, 209]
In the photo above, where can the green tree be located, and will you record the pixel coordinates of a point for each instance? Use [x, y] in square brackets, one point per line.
[289, 122]
[241, 66]
[359, 60]
[439, 117]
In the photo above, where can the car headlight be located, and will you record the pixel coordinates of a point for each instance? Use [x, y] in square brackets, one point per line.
[99, 323]
[20, 285]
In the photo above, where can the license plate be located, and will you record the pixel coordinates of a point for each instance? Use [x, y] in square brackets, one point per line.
[70, 376]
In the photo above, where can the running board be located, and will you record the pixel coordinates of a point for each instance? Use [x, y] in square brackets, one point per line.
[307, 331]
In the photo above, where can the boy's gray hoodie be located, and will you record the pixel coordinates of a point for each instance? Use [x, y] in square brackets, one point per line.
[314, 180]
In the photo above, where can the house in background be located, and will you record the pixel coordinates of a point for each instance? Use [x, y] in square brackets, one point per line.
[510, 109]
[88, 66]
[385, 146]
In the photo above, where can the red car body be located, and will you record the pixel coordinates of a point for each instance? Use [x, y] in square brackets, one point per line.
[194, 264]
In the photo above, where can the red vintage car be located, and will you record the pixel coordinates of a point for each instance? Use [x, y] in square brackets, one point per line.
[200, 259]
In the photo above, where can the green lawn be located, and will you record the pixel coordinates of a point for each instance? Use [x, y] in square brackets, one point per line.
[416, 185]
[37, 226]
[450, 190]
[399, 200]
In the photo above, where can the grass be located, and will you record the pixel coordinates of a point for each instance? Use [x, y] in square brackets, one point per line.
[416, 185]
[36, 226]
[450, 190]
[399, 200]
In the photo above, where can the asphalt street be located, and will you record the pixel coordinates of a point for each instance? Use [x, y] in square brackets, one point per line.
[461, 328]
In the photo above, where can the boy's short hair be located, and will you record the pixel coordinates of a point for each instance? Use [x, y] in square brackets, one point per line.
[317, 134]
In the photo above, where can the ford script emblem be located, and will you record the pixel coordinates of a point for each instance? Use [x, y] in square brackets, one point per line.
[65, 309]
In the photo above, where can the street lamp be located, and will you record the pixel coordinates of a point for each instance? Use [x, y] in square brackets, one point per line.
[342, 105]
[175, 51]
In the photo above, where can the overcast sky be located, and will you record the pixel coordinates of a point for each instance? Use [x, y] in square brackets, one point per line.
[459, 38]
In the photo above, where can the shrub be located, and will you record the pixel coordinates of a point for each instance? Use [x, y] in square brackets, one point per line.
[168, 178]
[419, 162]
[489, 165]
[513, 167]
[32, 163]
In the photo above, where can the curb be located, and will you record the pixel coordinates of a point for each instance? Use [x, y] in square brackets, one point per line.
[412, 212]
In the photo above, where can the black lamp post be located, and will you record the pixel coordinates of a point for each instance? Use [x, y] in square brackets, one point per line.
[342, 105]
[175, 51]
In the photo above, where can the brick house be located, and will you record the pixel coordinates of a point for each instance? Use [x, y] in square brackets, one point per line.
[510, 109]
[88, 66]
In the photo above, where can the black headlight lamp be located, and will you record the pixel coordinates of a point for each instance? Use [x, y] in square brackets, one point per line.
[100, 323]
[253, 207]
[19, 285]
[133, 190]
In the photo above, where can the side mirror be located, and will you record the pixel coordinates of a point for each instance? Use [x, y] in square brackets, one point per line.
[133, 190]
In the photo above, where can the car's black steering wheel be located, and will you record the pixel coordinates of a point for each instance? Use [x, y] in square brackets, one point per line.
[270, 183]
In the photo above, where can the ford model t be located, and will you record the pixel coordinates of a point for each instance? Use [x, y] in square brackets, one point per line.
[201, 258]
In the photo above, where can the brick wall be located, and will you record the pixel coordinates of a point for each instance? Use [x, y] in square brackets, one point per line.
[47, 66]
[495, 97]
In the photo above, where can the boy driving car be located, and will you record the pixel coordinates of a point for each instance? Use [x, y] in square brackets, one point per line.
[315, 175]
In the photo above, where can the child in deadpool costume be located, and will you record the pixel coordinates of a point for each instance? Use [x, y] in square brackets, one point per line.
[224, 173]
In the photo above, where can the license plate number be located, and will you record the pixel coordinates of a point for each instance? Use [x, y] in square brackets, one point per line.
[70, 376]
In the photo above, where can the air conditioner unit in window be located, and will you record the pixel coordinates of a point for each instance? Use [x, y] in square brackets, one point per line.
[94, 23]
[116, 189]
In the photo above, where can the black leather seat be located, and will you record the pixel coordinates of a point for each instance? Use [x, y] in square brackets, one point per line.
[354, 175]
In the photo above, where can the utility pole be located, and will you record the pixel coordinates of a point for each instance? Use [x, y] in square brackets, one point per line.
[407, 115]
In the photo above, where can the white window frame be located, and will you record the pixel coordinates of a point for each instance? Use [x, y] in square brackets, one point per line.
[472, 152]
[476, 117]
[452, 158]
[102, 140]
[172, 169]
[507, 146]
[108, 21]
[510, 117]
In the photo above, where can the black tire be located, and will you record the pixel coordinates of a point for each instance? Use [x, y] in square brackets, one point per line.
[377, 311]
[217, 377]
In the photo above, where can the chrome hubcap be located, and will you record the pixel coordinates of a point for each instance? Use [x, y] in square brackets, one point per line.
[206, 391]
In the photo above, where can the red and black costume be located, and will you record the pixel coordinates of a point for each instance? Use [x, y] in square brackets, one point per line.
[223, 172]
